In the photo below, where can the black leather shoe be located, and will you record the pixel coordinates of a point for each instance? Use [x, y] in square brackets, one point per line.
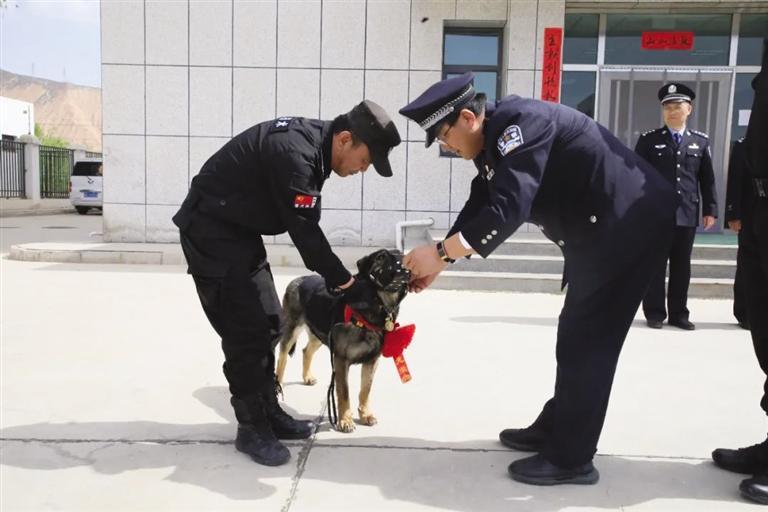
[755, 489]
[747, 460]
[537, 471]
[523, 439]
[682, 323]
[260, 443]
[744, 325]
[655, 324]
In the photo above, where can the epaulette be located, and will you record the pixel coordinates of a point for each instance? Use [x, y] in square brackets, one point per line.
[702, 134]
[649, 131]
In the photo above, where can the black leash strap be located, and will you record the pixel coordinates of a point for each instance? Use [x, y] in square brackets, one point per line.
[333, 415]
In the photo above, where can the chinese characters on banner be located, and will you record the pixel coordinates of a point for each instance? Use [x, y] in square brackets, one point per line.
[666, 41]
[550, 83]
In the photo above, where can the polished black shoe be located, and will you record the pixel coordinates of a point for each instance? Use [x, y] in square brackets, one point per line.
[749, 460]
[655, 324]
[260, 443]
[755, 489]
[537, 471]
[682, 323]
[744, 325]
[523, 439]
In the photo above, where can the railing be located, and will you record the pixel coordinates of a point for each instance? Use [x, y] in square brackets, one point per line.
[12, 169]
[55, 169]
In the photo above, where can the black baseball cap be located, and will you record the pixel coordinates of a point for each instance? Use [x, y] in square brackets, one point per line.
[371, 124]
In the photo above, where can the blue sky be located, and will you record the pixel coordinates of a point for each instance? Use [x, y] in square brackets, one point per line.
[53, 39]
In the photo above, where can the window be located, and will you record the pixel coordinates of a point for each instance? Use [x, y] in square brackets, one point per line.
[578, 91]
[742, 103]
[580, 39]
[477, 50]
[711, 39]
[752, 30]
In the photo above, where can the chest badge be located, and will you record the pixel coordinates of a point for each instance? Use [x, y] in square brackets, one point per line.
[489, 173]
[693, 146]
[660, 146]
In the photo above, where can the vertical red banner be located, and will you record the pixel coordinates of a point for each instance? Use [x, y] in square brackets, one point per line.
[552, 63]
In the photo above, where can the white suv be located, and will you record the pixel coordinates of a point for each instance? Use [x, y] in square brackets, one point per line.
[86, 185]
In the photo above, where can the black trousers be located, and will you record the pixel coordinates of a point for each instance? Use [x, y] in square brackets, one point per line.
[236, 289]
[754, 250]
[679, 278]
[739, 301]
[590, 335]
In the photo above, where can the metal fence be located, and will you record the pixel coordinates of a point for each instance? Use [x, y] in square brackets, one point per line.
[55, 169]
[12, 169]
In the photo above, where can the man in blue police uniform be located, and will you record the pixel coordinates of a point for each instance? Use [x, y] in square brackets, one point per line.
[266, 181]
[737, 193]
[683, 157]
[753, 244]
[608, 210]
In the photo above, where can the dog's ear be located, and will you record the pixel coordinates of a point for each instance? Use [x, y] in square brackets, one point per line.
[365, 264]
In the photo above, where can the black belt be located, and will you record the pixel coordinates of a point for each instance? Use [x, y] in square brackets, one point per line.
[760, 187]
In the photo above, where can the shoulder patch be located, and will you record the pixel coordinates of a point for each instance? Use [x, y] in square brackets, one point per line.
[281, 124]
[701, 134]
[511, 138]
[304, 201]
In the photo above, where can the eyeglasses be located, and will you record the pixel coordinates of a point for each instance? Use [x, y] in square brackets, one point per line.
[442, 137]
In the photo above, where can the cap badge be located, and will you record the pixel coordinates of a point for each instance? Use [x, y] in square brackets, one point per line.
[672, 88]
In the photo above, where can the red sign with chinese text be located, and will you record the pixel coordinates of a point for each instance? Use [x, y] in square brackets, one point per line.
[667, 41]
[551, 65]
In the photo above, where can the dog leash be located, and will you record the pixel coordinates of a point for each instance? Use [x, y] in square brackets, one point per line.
[333, 414]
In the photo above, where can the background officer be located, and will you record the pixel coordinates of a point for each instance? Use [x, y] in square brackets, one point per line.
[265, 181]
[609, 211]
[683, 157]
[739, 189]
[754, 250]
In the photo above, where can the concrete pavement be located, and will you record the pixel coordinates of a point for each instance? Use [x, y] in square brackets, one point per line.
[113, 398]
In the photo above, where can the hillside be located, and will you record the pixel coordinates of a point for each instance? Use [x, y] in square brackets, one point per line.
[69, 111]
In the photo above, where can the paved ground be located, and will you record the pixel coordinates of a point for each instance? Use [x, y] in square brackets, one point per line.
[64, 227]
[113, 399]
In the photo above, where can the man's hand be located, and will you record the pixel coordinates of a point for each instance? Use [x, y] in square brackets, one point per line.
[734, 225]
[424, 261]
[709, 221]
[419, 284]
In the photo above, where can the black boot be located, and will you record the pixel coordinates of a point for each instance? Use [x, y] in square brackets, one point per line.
[749, 460]
[283, 425]
[254, 433]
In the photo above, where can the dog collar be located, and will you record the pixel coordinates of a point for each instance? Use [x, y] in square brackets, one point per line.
[350, 315]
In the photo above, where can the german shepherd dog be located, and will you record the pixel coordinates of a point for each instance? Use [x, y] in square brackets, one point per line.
[307, 304]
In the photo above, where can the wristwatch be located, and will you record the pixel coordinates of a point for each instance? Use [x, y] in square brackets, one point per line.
[441, 252]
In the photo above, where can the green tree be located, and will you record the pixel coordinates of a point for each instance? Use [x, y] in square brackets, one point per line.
[47, 139]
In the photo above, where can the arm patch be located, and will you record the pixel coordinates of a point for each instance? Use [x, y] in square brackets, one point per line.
[511, 138]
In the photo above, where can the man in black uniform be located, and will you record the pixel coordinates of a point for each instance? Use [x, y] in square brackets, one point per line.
[265, 181]
[608, 210]
[684, 158]
[754, 248]
[739, 188]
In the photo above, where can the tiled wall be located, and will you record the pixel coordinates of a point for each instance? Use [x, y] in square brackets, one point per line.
[181, 77]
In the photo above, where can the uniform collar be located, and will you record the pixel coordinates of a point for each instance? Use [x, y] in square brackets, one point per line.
[326, 135]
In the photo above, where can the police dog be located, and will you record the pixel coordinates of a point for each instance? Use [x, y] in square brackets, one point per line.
[307, 304]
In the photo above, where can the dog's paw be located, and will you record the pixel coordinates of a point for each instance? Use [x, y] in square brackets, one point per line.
[368, 419]
[309, 380]
[345, 424]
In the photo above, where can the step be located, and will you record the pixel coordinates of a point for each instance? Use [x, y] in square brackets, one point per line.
[534, 244]
[700, 287]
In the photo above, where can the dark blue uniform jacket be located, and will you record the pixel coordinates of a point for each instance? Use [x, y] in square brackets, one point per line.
[687, 167]
[551, 165]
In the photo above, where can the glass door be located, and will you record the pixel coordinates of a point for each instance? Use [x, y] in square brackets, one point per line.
[629, 106]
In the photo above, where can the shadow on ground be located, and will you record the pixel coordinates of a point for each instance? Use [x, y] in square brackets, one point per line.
[451, 476]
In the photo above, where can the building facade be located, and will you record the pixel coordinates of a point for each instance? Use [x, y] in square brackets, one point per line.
[179, 78]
